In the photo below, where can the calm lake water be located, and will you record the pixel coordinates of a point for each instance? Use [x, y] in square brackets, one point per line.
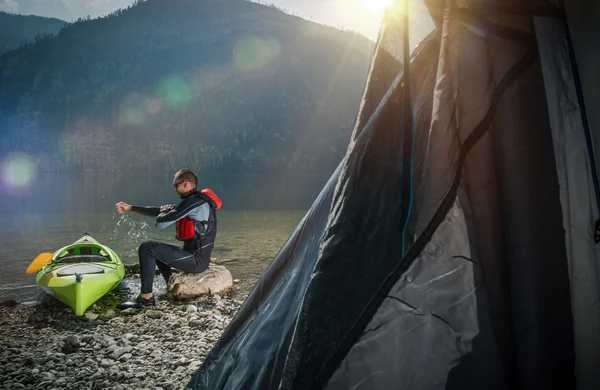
[259, 214]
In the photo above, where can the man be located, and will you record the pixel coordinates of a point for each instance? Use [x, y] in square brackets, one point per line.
[196, 225]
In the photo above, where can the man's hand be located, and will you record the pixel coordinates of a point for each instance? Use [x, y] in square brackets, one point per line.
[167, 208]
[123, 207]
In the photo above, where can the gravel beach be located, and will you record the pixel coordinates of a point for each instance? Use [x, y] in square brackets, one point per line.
[47, 347]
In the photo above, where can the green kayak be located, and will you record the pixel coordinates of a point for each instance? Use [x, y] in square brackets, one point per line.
[81, 273]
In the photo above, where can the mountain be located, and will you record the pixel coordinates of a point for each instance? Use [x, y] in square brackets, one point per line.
[16, 30]
[225, 86]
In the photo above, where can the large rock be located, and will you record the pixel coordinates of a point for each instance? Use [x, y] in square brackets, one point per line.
[215, 280]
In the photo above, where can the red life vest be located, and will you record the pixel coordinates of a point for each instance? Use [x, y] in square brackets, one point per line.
[185, 228]
[208, 192]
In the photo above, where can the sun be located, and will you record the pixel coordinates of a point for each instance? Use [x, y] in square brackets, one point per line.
[378, 5]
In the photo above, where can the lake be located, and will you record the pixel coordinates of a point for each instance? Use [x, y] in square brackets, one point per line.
[259, 214]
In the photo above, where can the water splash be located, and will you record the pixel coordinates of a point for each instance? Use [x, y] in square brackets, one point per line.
[129, 233]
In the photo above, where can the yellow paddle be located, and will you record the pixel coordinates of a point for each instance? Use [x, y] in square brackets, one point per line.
[40, 261]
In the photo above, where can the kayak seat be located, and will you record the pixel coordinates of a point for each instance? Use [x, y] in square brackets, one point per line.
[81, 259]
[81, 269]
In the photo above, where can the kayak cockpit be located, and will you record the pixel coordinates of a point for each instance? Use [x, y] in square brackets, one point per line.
[81, 259]
[81, 269]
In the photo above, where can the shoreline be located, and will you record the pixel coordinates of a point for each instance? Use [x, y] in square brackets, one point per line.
[45, 346]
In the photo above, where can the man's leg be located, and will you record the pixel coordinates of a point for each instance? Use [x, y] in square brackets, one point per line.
[165, 256]
[202, 260]
[165, 270]
[151, 254]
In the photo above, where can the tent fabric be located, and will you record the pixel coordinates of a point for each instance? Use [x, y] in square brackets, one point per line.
[583, 16]
[486, 274]
[577, 196]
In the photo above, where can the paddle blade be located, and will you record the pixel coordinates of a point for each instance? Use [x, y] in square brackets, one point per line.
[40, 261]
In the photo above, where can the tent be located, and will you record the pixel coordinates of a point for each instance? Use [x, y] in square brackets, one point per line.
[455, 245]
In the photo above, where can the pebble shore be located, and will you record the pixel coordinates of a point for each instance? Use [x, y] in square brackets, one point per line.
[47, 347]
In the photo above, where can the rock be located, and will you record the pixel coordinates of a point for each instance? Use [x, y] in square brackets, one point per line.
[36, 317]
[215, 280]
[106, 363]
[123, 342]
[107, 341]
[181, 362]
[70, 344]
[169, 385]
[58, 356]
[47, 376]
[9, 303]
[115, 352]
[40, 361]
[196, 323]
[154, 314]
[68, 352]
[191, 309]
[110, 314]
[91, 316]
[82, 374]
[236, 280]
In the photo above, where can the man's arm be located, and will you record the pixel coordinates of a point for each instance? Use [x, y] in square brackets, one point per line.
[183, 209]
[150, 211]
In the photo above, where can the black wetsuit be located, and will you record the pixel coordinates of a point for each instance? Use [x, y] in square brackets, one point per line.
[194, 256]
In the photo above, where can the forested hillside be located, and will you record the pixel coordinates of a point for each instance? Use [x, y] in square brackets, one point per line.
[224, 86]
[17, 30]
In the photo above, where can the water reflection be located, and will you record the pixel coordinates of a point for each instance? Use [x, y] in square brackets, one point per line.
[258, 215]
[98, 193]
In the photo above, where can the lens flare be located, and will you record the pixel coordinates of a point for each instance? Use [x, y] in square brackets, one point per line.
[206, 80]
[253, 53]
[133, 111]
[175, 93]
[18, 170]
[153, 106]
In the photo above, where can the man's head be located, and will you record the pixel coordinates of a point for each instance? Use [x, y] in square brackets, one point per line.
[185, 182]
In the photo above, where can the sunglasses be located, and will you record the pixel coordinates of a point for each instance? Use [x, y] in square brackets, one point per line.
[178, 184]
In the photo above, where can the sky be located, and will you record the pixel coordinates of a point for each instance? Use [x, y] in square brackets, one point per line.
[363, 16]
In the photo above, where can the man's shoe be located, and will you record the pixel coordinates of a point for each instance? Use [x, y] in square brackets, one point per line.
[137, 303]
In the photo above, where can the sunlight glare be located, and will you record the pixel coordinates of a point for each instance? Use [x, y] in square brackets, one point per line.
[378, 6]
